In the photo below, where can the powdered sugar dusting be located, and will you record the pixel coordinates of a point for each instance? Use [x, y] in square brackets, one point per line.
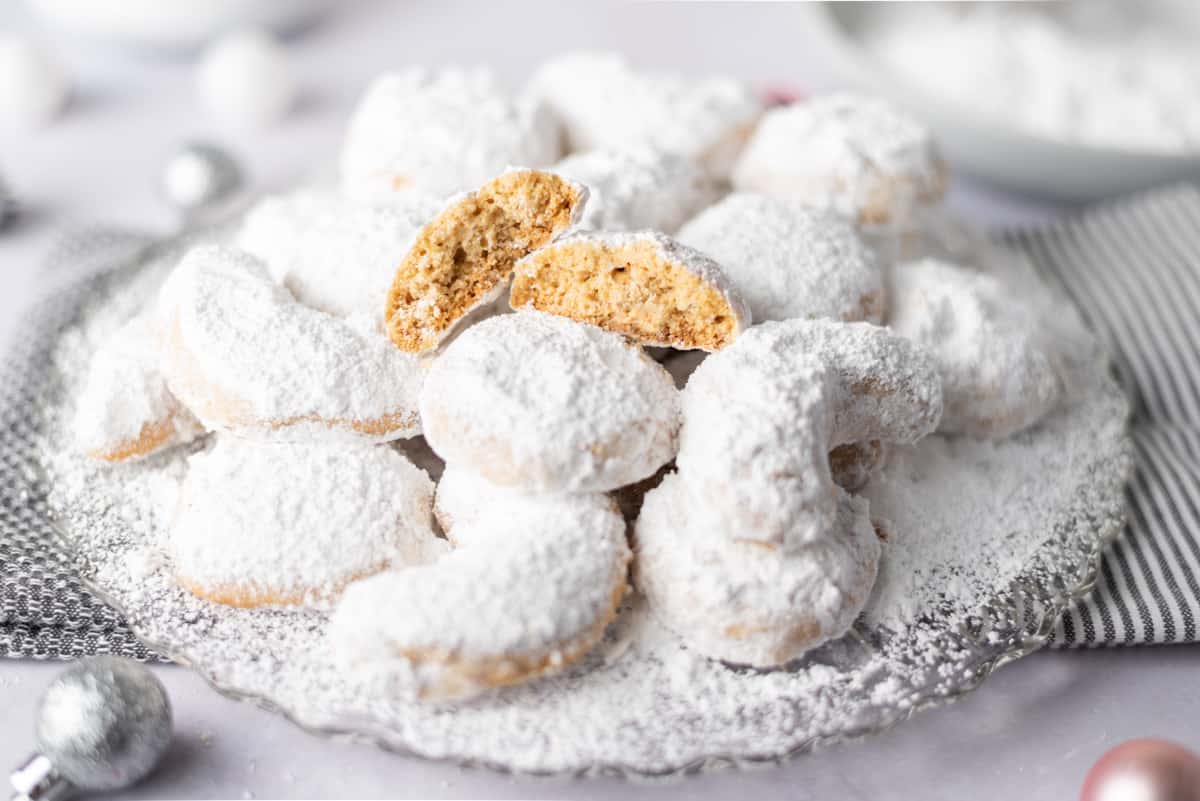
[542, 403]
[1102, 74]
[844, 153]
[332, 254]
[282, 522]
[438, 133]
[604, 103]
[534, 583]
[788, 261]
[638, 188]
[997, 375]
[126, 394]
[464, 500]
[731, 598]
[243, 355]
[949, 601]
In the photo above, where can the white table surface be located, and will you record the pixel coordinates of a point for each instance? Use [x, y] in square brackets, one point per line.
[1030, 732]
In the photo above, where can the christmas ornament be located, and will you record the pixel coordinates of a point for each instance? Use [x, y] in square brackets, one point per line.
[33, 86]
[1144, 770]
[245, 79]
[102, 725]
[8, 204]
[199, 179]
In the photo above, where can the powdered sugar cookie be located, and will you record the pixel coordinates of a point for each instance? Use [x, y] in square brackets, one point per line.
[603, 103]
[529, 590]
[463, 497]
[332, 254]
[997, 373]
[545, 404]
[788, 261]
[245, 357]
[888, 386]
[640, 188]
[438, 133]
[855, 155]
[265, 524]
[769, 409]
[462, 259]
[125, 410]
[644, 285]
[733, 600]
[751, 552]
[465, 501]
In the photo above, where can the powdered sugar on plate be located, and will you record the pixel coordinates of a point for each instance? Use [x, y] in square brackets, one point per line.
[986, 543]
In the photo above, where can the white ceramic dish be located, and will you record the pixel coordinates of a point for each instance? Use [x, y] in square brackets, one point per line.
[987, 148]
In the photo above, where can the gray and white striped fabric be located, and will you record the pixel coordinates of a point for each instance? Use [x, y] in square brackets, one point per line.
[1133, 268]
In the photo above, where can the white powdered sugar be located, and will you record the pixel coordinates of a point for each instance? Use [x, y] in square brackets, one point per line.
[267, 524]
[788, 261]
[464, 499]
[760, 417]
[439, 133]
[528, 589]
[126, 410]
[854, 155]
[887, 387]
[754, 444]
[333, 254]
[605, 104]
[750, 552]
[244, 356]
[734, 599]
[638, 188]
[1092, 72]
[990, 347]
[542, 403]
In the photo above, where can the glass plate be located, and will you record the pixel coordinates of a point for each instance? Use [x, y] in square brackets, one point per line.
[1029, 520]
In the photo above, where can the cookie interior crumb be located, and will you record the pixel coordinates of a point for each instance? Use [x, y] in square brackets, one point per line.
[465, 252]
[628, 287]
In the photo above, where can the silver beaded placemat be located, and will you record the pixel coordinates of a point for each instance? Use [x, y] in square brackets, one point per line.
[45, 613]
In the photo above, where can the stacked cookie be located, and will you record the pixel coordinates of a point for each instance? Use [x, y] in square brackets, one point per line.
[533, 326]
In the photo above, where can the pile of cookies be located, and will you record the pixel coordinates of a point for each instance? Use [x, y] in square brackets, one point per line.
[519, 321]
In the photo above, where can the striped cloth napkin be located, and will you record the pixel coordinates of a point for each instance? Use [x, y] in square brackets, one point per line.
[1133, 268]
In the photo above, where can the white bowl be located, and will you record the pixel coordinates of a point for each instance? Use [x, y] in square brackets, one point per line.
[987, 148]
[171, 24]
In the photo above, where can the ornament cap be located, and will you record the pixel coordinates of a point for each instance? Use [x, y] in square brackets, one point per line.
[35, 779]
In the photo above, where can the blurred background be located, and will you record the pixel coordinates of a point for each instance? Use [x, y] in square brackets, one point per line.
[1039, 106]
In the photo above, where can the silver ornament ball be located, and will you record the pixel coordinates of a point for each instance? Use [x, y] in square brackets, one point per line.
[104, 724]
[199, 178]
[8, 204]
